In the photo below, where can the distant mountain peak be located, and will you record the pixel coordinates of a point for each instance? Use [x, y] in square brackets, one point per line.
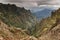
[43, 13]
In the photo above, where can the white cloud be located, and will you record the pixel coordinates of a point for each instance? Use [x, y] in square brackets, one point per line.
[42, 7]
[49, 6]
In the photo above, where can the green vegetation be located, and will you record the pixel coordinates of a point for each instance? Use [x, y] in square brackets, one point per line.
[22, 18]
[45, 25]
[18, 17]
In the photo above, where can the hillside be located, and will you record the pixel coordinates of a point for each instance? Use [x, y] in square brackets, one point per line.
[18, 17]
[10, 33]
[17, 23]
[53, 34]
[13, 33]
[47, 24]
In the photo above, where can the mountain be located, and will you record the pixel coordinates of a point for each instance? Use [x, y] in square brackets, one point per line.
[18, 17]
[13, 33]
[17, 23]
[53, 34]
[10, 33]
[43, 13]
[48, 24]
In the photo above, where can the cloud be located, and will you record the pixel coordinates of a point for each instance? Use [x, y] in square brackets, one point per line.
[21, 3]
[32, 3]
[42, 7]
[39, 2]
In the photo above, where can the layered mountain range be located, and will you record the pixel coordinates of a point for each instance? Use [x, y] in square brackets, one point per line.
[17, 23]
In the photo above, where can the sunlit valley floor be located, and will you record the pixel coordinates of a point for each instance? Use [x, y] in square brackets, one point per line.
[17, 23]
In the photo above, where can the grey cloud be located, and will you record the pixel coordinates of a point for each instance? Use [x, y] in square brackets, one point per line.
[39, 2]
[31, 3]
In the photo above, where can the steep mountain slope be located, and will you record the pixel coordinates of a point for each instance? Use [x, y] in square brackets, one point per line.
[13, 33]
[10, 33]
[53, 34]
[47, 24]
[16, 16]
[18, 24]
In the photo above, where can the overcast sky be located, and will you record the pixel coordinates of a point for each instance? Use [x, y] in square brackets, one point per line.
[33, 3]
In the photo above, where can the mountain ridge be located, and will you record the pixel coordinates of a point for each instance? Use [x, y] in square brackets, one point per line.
[43, 13]
[19, 24]
[16, 16]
